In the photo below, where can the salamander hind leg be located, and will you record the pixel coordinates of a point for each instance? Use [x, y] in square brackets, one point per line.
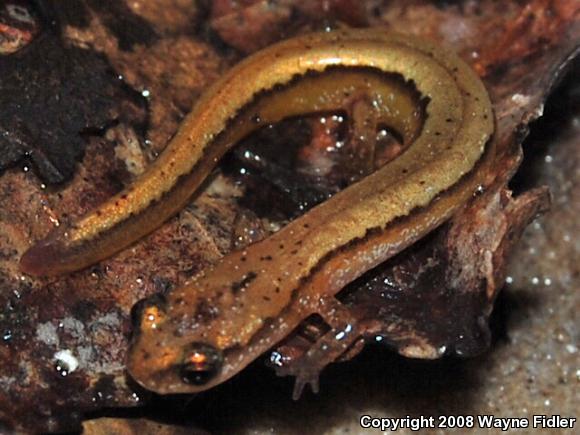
[342, 336]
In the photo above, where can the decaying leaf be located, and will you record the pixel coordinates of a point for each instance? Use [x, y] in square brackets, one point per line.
[51, 95]
[19, 25]
[115, 426]
[253, 24]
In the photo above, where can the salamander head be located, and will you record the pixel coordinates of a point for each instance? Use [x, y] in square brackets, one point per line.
[165, 360]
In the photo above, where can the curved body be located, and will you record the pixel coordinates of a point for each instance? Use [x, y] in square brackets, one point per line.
[205, 332]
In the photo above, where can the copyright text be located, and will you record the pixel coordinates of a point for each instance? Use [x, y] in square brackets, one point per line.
[466, 422]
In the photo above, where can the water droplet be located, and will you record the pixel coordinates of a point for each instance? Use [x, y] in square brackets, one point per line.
[479, 190]
[7, 335]
[66, 362]
[276, 359]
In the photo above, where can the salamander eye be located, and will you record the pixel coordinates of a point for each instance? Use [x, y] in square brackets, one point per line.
[201, 363]
[148, 314]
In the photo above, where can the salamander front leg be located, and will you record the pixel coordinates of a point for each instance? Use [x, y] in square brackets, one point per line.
[343, 335]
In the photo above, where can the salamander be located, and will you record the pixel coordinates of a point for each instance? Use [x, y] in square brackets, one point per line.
[205, 332]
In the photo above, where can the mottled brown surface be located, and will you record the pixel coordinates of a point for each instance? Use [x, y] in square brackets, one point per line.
[111, 426]
[249, 25]
[19, 25]
[51, 96]
[175, 58]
